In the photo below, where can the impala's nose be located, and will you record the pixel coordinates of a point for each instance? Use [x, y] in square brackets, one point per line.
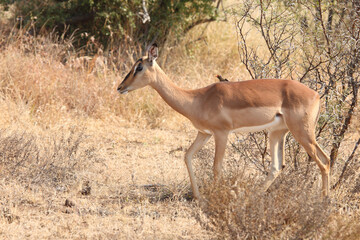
[122, 90]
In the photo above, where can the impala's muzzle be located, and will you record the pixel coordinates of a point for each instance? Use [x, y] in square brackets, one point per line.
[122, 90]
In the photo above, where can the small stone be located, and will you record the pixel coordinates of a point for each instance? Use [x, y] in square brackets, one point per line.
[68, 211]
[86, 190]
[69, 203]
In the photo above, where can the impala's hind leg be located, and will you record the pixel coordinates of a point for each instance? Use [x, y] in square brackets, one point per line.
[303, 131]
[277, 141]
[323, 161]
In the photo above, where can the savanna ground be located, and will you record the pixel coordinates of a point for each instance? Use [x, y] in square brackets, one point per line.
[79, 161]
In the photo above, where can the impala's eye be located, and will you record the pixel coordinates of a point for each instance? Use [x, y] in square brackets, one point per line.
[139, 68]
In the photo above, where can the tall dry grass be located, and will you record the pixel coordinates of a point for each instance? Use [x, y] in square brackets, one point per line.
[292, 209]
[50, 78]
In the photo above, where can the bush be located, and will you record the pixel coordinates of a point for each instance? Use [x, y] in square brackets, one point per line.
[34, 161]
[113, 21]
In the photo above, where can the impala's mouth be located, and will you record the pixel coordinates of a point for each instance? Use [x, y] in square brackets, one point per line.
[123, 90]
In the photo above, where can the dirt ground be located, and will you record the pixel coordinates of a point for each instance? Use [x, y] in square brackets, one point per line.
[134, 186]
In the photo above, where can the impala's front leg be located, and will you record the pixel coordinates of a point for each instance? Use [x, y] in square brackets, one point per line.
[220, 146]
[199, 142]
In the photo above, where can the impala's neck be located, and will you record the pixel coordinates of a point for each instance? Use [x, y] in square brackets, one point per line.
[179, 99]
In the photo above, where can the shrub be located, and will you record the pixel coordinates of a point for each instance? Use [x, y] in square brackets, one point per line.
[113, 21]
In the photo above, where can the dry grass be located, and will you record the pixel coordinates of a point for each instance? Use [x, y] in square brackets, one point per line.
[102, 174]
[78, 161]
[292, 209]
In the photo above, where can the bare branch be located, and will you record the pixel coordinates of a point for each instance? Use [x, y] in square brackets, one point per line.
[144, 15]
[347, 163]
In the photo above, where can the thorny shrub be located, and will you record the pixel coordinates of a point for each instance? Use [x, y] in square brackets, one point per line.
[50, 160]
[237, 207]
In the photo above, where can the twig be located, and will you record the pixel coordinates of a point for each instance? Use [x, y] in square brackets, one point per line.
[348, 161]
[144, 15]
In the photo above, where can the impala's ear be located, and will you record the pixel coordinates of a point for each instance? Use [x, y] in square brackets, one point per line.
[153, 52]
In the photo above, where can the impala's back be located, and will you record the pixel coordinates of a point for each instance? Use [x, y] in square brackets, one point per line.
[251, 103]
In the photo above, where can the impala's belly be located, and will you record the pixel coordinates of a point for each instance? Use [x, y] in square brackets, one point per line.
[276, 124]
[244, 120]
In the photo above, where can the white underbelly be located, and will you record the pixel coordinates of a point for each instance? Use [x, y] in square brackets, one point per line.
[277, 124]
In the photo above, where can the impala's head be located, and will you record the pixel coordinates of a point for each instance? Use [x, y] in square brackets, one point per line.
[141, 74]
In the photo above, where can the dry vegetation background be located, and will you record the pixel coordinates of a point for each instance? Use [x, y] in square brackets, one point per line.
[79, 161]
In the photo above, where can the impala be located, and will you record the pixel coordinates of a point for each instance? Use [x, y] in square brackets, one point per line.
[277, 105]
